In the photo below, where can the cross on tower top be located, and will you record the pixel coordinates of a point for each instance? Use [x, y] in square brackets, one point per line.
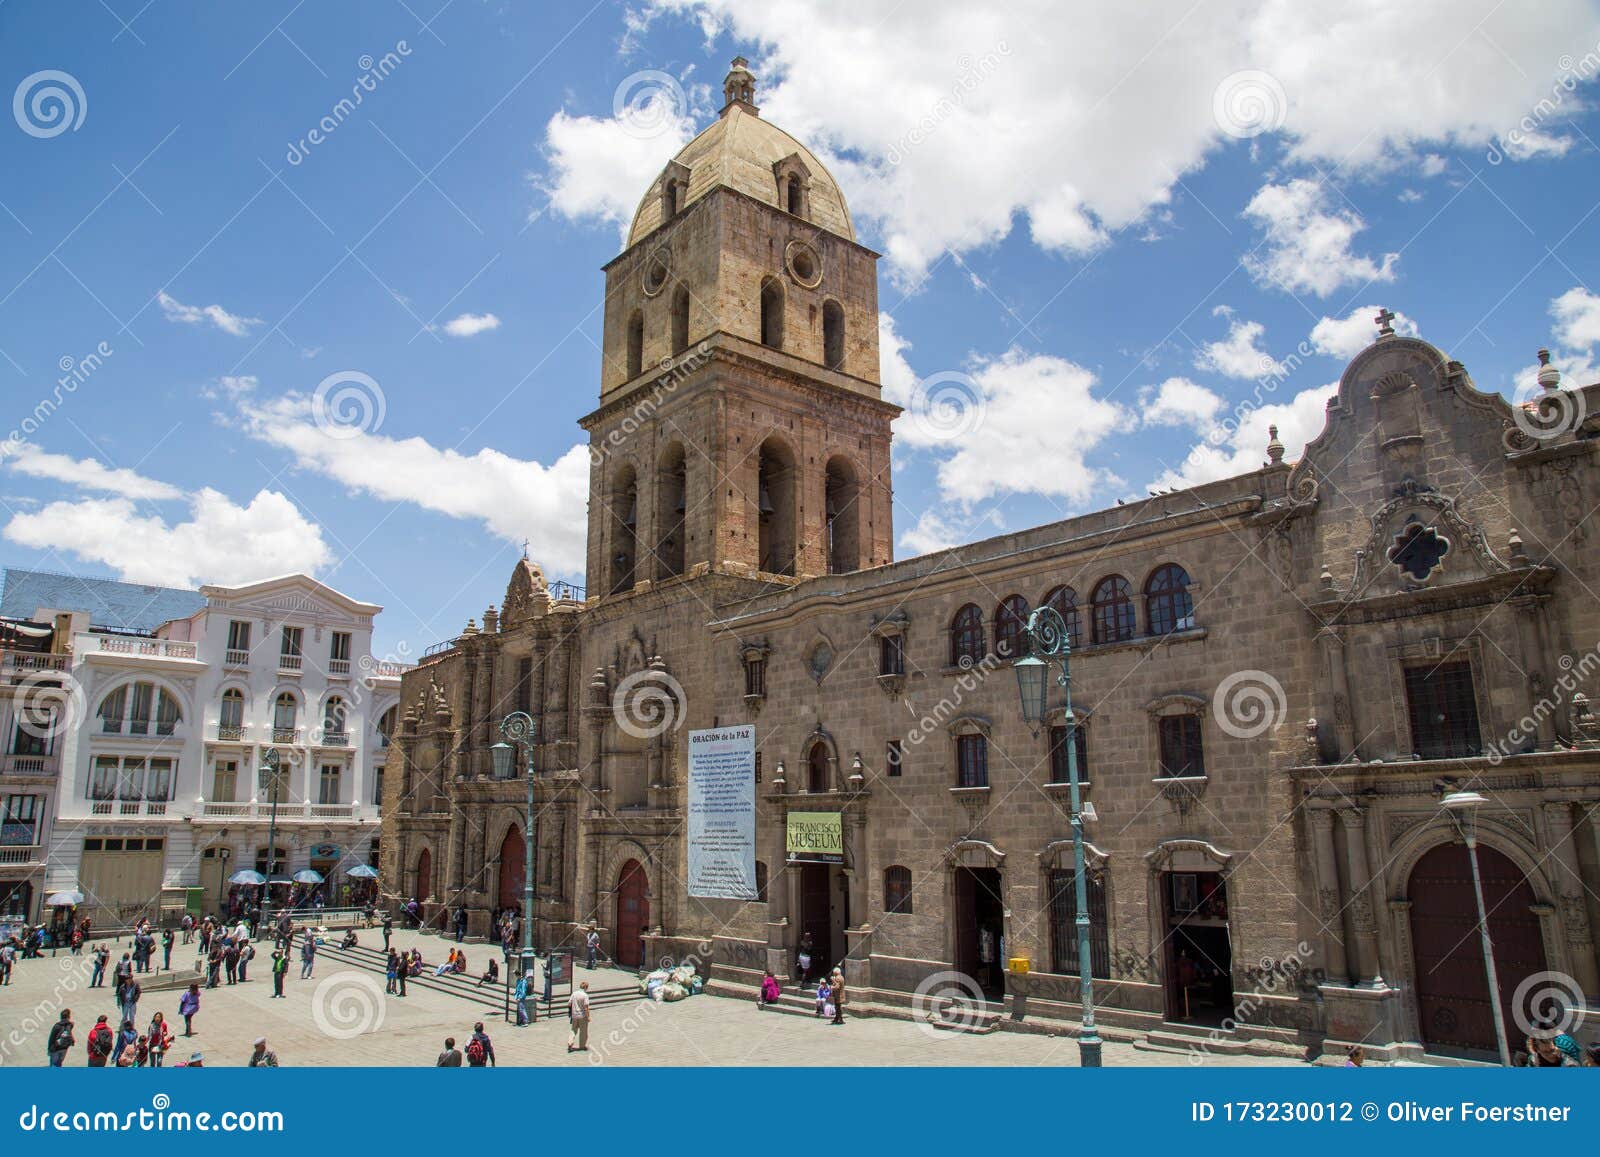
[524, 548]
[1385, 316]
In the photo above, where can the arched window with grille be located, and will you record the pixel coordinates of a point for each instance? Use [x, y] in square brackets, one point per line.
[966, 637]
[897, 889]
[1064, 602]
[1010, 618]
[1168, 604]
[1113, 610]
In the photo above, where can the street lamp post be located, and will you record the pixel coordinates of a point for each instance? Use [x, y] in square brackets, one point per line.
[1463, 808]
[271, 781]
[521, 733]
[1046, 642]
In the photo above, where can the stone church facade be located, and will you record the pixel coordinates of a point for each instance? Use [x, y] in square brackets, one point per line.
[1276, 678]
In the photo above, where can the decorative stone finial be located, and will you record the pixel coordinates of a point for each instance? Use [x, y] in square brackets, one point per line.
[1519, 553]
[1274, 447]
[1327, 580]
[491, 620]
[1549, 376]
[471, 628]
[739, 88]
[1385, 321]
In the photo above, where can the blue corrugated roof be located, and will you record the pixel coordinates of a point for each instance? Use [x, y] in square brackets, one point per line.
[109, 603]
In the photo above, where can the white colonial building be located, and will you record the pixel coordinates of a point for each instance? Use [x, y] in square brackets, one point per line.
[161, 798]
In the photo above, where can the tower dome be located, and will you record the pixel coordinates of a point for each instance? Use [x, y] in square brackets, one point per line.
[740, 151]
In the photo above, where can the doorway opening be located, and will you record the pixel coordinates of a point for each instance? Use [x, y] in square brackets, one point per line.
[633, 914]
[824, 914]
[980, 929]
[1199, 953]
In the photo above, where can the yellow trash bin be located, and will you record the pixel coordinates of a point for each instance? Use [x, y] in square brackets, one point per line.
[1019, 964]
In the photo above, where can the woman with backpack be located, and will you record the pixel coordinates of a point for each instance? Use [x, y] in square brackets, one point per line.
[101, 1042]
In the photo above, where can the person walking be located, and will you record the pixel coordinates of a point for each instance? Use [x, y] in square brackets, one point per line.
[804, 957]
[480, 1049]
[8, 956]
[230, 961]
[127, 1037]
[214, 963]
[61, 1039]
[401, 972]
[188, 1006]
[247, 953]
[388, 928]
[591, 943]
[123, 974]
[461, 924]
[166, 950]
[308, 955]
[578, 1017]
[261, 1057]
[131, 992]
[100, 1043]
[159, 1037]
[280, 968]
[451, 1057]
[524, 983]
[102, 957]
[836, 982]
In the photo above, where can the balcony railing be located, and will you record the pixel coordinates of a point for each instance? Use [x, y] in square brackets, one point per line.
[286, 735]
[128, 807]
[28, 765]
[11, 854]
[338, 666]
[332, 811]
[156, 648]
[20, 663]
[231, 732]
[259, 811]
[291, 663]
[335, 739]
[233, 657]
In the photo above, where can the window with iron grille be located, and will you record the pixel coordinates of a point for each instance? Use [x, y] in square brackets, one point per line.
[1181, 750]
[1010, 617]
[758, 767]
[893, 758]
[1064, 924]
[897, 889]
[755, 678]
[1058, 753]
[1168, 605]
[892, 655]
[1444, 711]
[1113, 610]
[966, 637]
[972, 761]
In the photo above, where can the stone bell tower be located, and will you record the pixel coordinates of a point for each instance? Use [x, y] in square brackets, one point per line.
[740, 428]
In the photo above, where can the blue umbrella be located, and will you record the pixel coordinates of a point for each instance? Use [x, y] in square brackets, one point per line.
[247, 876]
[307, 876]
[362, 872]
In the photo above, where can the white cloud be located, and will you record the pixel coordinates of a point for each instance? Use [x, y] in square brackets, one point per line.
[1577, 314]
[1237, 444]
[1237, 355]
[1307, 243]
[950, 123]
[1345, 337]
[227, 322]
[1179, 402]
[599, 167]
[944, 527]
[221, 542]
[513, 498]
[1577, 369]
[471, 324]
[90, 474]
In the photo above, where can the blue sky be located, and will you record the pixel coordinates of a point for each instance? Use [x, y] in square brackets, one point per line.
[1103, 232]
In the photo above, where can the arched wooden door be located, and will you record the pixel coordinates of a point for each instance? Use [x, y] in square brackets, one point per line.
[1452, 985]
[424, 876]
[512, 863]
[633, 914]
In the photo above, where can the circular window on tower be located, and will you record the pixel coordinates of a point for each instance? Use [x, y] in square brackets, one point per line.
[656, 270]
[803, 264]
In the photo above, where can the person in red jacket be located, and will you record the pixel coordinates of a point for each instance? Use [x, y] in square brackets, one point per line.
[101, 1042]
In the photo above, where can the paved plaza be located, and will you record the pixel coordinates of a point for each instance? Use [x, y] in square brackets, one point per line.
[311, 1029]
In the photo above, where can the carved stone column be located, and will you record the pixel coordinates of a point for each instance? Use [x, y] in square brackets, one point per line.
[1363, 918]
[1535, 658]
[1571, 897]
[1331, 644]
[457, 850]
[1330, 909]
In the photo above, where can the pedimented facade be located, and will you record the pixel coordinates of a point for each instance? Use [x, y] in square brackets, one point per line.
[1276, 677]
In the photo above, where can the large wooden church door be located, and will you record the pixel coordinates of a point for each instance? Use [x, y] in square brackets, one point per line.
[513, 862]
[633, 914]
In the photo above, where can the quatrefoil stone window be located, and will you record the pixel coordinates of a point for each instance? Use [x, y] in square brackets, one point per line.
[1418, 550]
